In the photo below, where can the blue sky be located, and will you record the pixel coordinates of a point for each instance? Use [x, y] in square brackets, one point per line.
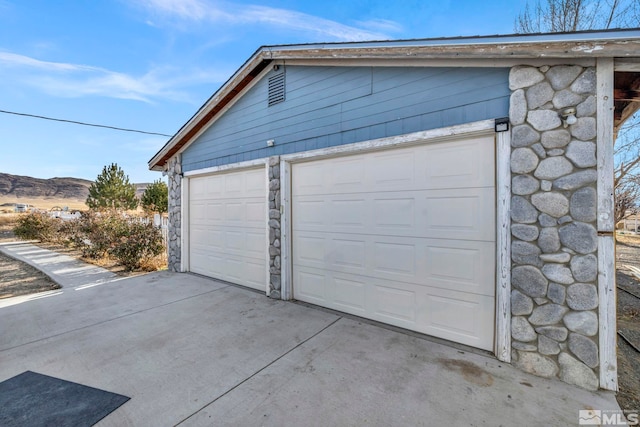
[150, 64]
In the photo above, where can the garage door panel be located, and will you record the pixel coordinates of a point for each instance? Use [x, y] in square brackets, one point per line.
[394, 213]
[460, 214]
[394, 305]
[312, 285]
[348, 213]
[404, 236]
[399, 170]
[311, 213]
[457, 164]
[347, 175]
[448, 214]
[448, 264]
[349, 294]
[460, 317]
[227, 235]
[255, 211]
[460, 268]
[395, 258]
[350, 254]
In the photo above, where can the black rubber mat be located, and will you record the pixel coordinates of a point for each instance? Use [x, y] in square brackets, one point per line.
[32, 399]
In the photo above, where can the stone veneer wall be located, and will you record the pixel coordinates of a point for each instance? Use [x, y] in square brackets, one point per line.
[274, 228]
[174, 173]
[554, 297]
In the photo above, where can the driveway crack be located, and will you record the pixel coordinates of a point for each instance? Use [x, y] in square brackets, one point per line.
[260, 370]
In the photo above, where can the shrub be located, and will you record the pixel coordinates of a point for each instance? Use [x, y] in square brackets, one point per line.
[129, 240]
[37, 226]
[138, 241]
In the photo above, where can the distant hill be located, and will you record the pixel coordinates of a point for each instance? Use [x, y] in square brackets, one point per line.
[25, 189]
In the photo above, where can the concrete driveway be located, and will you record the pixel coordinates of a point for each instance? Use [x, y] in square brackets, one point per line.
[192, 351]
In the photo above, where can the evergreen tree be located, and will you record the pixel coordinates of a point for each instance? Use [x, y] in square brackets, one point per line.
[112, 190]
[156, 197]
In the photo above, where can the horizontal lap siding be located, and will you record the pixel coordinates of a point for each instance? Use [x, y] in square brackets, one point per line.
[329, 106]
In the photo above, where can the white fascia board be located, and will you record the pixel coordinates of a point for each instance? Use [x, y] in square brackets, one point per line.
[434, 135]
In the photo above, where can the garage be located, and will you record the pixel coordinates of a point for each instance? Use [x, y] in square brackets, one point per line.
[403, 236]
[227, 237]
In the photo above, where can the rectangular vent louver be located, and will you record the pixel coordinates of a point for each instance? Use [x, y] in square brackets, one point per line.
[276, 89]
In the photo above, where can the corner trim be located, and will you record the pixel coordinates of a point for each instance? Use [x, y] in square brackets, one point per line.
[503, 247]
[606, 241]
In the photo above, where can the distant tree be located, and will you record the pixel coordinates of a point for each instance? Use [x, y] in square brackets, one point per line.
[112, 190]
[626, 200]
[552, 16]
[156, 197]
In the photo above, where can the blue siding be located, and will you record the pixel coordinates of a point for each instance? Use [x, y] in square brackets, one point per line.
[329, 106]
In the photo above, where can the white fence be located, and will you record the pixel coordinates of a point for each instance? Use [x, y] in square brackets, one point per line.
[162, 222]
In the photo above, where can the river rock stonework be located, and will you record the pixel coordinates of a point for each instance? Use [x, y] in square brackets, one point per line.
[275, 276]
[174, 174]
[553, 224]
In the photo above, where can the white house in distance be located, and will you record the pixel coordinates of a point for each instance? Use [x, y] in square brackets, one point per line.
[460, 187]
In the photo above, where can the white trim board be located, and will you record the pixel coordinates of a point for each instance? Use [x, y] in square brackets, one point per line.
[286, 288]
[427, 136]
[249, 164]
[606, 241]
[503, 247]
[267, 229]
[184, 224]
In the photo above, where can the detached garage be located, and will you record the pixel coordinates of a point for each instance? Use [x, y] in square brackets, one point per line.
[460, 188]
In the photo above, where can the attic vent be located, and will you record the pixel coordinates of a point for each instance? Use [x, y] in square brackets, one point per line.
[276, 89]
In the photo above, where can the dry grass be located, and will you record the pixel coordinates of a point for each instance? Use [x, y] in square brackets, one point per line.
[8, 221]
[628, 239]
[155, 263]
[45, 202]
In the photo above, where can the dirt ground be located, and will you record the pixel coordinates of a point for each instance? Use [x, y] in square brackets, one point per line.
[18, 278]
[628, 282]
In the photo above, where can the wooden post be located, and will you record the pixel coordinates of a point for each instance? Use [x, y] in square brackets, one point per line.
[606, 240]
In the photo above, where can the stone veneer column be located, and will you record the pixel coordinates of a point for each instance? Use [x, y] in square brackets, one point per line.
[274, 228]
[174, 173]
[554, 297]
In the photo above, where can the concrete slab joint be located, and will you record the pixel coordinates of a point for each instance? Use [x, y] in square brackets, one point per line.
[274, 218]
[553, 224]
[174, 174]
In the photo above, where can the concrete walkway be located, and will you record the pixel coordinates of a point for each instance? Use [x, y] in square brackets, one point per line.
[62, 269]
[192, 351]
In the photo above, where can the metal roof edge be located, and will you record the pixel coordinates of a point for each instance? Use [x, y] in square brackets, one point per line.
[576, 36]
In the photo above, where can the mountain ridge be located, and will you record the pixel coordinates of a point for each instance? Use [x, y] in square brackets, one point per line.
[25, 187]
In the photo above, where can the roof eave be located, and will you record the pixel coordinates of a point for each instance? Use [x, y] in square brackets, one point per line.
[619, 44]
[218, 100]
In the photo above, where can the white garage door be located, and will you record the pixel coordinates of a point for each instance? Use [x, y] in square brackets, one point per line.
[227, 234]
[403, 236]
